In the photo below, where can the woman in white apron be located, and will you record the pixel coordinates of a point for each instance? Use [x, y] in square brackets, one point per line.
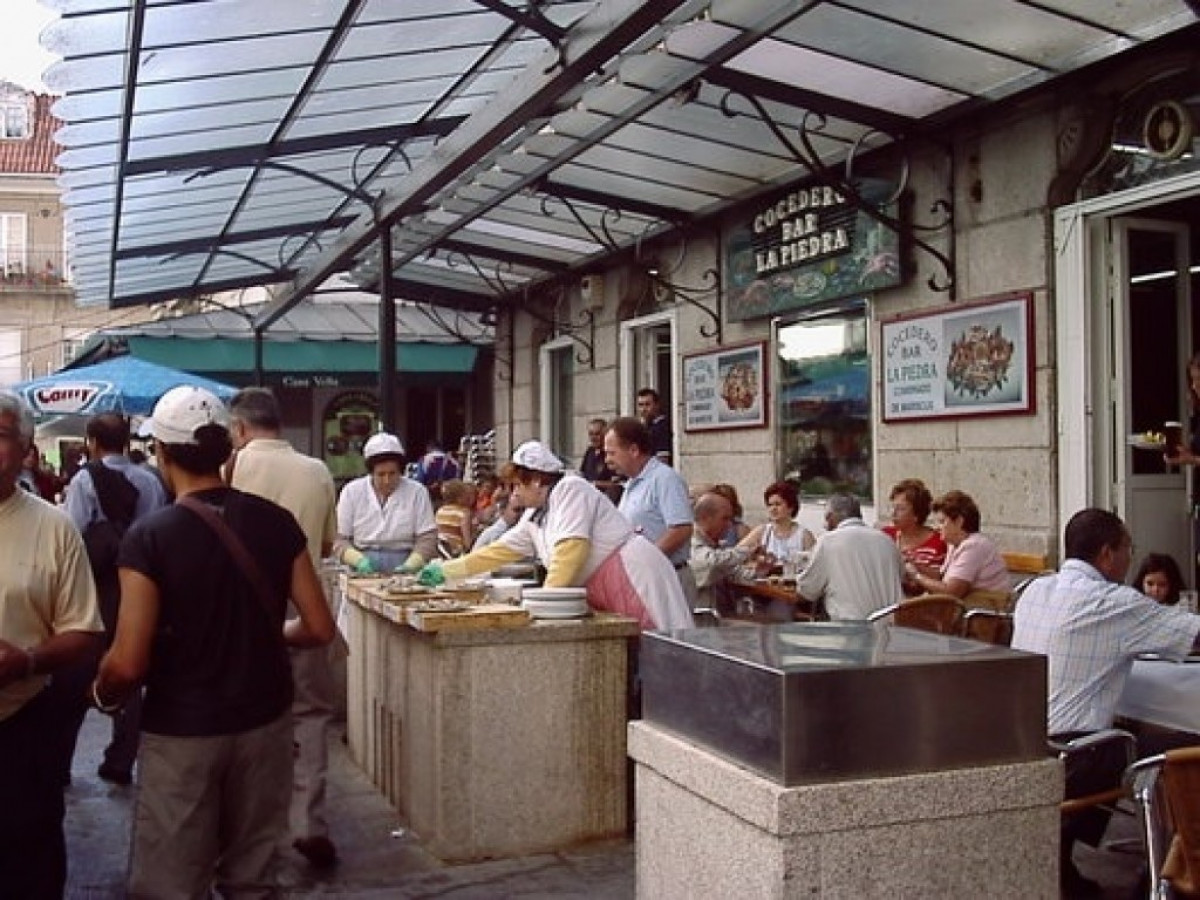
[582, 540]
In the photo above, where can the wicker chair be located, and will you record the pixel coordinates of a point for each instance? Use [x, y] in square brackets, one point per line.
[938, 613]
[1167, 790]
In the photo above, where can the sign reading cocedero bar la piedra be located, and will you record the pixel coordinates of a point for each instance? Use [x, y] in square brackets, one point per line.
[802, 226]
[808, 245]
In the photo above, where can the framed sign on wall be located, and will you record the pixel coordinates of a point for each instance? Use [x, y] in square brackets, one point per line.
[970, 359]
[725, 388]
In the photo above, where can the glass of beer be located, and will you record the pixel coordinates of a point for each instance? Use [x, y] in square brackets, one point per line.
[1173, 432]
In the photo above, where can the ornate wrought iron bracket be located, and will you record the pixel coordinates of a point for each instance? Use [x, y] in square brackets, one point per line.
[582, 332]
[661, 274]
[808, 157]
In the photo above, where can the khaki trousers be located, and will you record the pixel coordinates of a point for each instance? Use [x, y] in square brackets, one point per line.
[211, 812]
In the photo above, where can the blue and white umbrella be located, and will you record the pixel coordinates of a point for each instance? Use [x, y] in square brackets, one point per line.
[123, 384]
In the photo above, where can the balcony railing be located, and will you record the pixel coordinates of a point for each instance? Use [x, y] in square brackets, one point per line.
[36, 269]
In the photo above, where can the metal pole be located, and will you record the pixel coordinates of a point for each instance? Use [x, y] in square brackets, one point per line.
[387, 335]
[258, 357]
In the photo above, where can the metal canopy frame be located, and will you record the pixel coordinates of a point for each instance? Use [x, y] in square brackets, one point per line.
[499, 146]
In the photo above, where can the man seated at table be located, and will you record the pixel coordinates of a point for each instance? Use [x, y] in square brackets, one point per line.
[716, 567]
[1091, 627]
[855, 569]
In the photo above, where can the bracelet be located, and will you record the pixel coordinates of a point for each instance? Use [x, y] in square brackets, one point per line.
[107, 710]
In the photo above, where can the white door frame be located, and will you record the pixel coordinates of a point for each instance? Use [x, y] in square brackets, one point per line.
[545, 387]
[628, 387]
[1078, 325]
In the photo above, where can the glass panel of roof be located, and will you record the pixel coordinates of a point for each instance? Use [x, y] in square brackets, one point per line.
[896, 48]
[1019, 29]
[676, 170]
[433, 63]
[224, 21]
[197, 93]
[621, 184]
[1144, 19]
[161, 64]
[397, 38]
[544, 237]
[844, 79]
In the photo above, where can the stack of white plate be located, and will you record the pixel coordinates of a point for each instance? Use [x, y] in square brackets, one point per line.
[555, 603]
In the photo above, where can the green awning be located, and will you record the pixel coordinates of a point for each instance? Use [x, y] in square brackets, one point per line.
[300, 357]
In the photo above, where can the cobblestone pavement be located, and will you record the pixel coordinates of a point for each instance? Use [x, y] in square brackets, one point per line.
[380, 860]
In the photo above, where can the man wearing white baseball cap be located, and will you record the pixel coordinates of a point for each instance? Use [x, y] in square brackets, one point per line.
[581, 539]
[204, 589]
[385, 520]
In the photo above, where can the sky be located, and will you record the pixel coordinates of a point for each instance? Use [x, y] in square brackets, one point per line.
[22, 59]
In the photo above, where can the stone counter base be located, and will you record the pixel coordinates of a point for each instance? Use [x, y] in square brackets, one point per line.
[708, 828]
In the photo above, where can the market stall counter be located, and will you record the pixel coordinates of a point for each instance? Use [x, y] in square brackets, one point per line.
[842, 759]
[494, 735]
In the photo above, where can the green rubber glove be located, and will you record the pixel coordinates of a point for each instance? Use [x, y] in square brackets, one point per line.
[431, 574]
[412, 565]
[364, 567]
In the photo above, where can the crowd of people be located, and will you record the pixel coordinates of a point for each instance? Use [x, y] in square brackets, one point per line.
[202, 627]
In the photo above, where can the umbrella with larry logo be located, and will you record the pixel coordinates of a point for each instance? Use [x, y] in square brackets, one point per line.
[123, 384]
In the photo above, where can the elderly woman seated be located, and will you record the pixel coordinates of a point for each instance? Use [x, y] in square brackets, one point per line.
[974, 569]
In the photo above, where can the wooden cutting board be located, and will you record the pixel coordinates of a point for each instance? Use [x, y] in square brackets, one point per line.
[493, 615]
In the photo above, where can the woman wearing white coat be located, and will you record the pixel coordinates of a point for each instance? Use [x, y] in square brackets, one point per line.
[581, 539]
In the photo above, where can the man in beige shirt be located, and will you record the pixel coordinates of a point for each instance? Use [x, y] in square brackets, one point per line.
[49, 620]
[267, 465]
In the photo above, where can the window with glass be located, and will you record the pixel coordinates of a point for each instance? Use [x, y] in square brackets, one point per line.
[823, 402]
[14, 118]
[558, 395]
[12, 244]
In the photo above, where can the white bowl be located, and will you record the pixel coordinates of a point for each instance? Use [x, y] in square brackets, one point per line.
[556, 609]
[555, 594]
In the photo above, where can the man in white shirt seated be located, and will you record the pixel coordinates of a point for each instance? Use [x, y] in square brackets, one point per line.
[1091, 627]
[855, 569]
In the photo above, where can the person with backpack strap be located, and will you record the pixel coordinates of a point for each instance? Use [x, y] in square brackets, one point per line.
[104, 499]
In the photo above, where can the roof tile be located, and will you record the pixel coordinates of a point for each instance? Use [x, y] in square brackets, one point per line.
[34, 155]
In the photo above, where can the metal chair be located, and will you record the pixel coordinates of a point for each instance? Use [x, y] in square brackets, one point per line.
[938, 613]
[1166, 789]
[992, 626]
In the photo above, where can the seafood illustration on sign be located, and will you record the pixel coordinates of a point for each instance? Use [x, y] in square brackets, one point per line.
[979, 361]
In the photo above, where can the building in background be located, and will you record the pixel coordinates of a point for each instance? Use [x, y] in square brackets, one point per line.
[41, 328]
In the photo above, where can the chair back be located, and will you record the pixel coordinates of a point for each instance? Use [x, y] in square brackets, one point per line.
[938, 613]
[988, 625]
[1181, 780]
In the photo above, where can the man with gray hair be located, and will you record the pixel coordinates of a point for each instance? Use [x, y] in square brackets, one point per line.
[855, 569]
[49, 621]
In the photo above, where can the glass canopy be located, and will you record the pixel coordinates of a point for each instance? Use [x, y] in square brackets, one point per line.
[217, 144]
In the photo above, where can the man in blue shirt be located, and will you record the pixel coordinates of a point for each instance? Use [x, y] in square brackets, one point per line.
[655, 500]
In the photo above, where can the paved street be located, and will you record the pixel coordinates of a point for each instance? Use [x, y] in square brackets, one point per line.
[377, 864]
[374, 862]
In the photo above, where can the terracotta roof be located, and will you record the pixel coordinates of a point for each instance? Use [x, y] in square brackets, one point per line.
[33, 155]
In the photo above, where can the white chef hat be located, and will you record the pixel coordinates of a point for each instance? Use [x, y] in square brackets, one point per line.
[537, 456]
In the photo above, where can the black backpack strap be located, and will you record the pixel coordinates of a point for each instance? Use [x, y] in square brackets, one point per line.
[117, 495]
[245, 562]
